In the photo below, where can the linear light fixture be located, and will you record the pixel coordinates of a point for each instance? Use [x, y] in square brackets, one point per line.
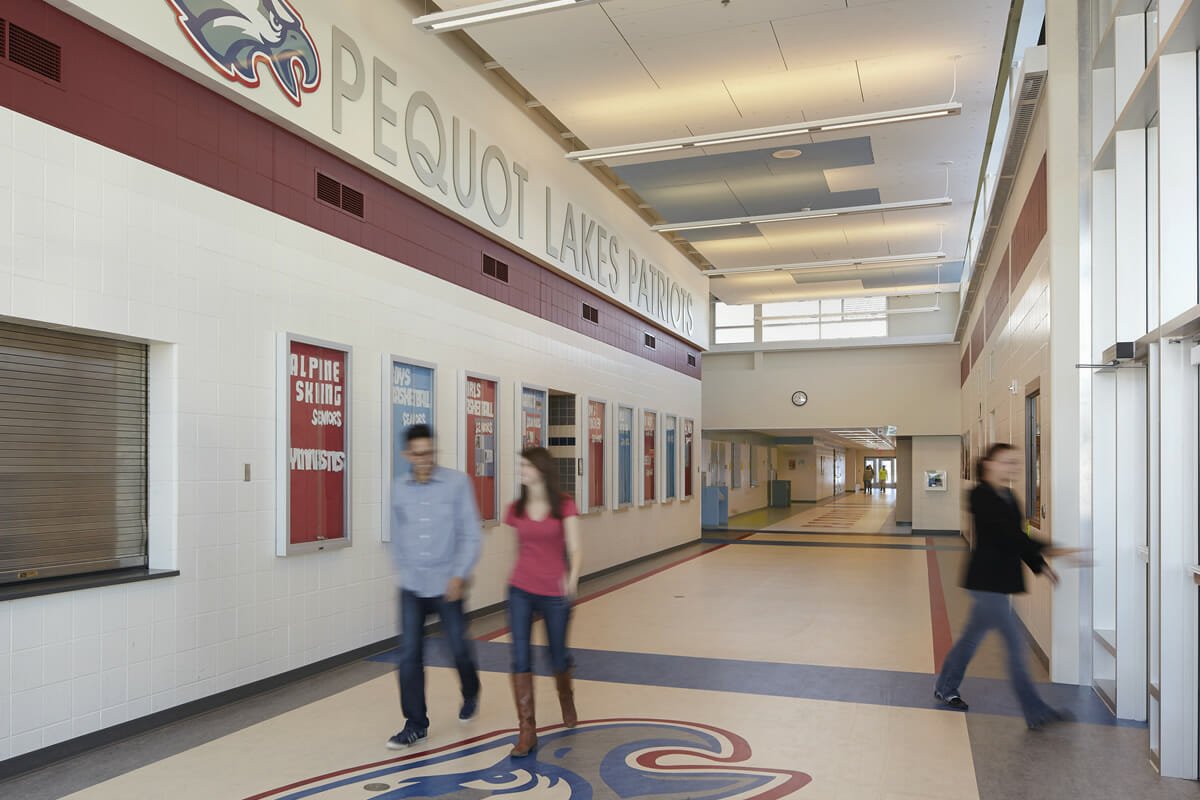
[841, 263]
[772, 132]
[454, 20]
[907, 205]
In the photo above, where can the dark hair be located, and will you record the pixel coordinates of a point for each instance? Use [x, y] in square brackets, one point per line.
[544, 463]
[995, 449]
[418, 431]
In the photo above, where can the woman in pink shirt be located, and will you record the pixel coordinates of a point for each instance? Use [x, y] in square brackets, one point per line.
[543, 581]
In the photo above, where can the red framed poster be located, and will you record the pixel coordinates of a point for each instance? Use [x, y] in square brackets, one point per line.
[595, 453]
[688, 432]
[478, 441]
[314, 462]
[649, 456]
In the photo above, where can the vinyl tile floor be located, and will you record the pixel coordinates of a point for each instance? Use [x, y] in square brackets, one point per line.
[733, 669]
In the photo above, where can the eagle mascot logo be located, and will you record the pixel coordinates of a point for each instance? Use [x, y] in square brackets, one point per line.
[237, 36]
[599, 760]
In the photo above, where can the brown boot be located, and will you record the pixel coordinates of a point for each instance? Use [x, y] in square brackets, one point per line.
[566, 698]
[522, 683]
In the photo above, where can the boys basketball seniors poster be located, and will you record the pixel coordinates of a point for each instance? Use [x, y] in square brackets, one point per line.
[480, 442]
[315, 420]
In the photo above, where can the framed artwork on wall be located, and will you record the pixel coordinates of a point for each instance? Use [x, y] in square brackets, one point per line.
[410, 389]
[313, 440]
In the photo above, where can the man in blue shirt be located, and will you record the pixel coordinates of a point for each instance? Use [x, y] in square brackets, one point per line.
[435, 544]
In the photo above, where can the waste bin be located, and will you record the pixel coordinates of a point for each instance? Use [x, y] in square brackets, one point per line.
[714, 506]
[779, 494]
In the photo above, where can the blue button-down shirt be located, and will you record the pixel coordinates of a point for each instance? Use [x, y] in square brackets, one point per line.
[435, 531]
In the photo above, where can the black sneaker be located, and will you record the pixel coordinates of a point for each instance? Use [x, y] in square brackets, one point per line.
[955, 701]
[407, 737]
[469, 710]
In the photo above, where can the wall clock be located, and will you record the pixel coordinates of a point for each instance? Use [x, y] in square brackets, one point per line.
[799, 398]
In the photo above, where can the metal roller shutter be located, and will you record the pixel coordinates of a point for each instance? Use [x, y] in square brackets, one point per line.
[72, 453]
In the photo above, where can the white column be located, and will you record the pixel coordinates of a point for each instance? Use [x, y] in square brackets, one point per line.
[1130, 43]
[1067, 663]
[1177, 184]
[1178, 514]
[1128, 431]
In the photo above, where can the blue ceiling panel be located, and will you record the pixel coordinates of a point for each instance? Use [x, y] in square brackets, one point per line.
[750, 182]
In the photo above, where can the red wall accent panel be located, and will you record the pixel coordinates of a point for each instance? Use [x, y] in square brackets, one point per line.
[997, 296]
[1031, 225]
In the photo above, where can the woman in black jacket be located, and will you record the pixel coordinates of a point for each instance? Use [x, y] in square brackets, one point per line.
[994, 575]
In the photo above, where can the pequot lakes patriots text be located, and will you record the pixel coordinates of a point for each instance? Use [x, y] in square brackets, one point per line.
[318, 381]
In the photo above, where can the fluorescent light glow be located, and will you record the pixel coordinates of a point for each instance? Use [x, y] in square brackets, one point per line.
[639, 152]
[490, 12]
[772, 132]
[702, 225]
[754, 137]
[798, 216]
[864, 123]
[873, 262]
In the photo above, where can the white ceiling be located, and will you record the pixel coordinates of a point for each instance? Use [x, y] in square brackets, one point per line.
[626, 71]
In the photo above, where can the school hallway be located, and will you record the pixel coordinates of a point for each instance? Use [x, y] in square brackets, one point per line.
[809, 673]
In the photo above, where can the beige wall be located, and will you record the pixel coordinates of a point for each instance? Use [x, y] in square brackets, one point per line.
[912, 387]
[1017, 351]
[934, 510]
[813, 477]
[923, 323]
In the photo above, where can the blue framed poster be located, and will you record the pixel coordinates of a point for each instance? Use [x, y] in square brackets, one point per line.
[533, 417]
[624, 456]
[670, 426]
[411, 400]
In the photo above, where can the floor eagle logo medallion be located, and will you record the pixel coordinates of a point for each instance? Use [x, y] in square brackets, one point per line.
[238, 37]
[599, 760]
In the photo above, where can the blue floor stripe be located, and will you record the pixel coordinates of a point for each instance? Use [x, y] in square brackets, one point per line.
[839, 684]
[850, 545]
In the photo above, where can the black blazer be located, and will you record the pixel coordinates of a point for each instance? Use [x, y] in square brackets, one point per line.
[1001, 544]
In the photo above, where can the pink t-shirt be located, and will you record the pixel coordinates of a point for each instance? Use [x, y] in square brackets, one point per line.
[541, 551]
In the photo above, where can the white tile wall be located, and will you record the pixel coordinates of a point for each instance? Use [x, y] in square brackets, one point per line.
[101, 242]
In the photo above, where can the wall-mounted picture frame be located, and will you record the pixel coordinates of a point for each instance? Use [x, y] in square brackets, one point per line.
[409, 398]
[478, 438]
[625, 494]
[313, 445]
[595, 467]
[649, 435]
[935, 480]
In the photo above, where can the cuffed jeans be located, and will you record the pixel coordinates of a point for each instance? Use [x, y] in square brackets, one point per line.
[413, 612]
[993, 611]
[555, 611]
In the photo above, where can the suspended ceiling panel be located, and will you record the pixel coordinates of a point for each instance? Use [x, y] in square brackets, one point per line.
[627, 71]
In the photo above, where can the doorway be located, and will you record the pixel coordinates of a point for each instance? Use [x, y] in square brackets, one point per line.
[885, 472]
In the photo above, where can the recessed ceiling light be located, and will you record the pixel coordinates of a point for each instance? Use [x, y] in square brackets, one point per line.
[789, 152]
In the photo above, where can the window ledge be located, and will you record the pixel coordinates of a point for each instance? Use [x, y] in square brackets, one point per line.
[74, 583]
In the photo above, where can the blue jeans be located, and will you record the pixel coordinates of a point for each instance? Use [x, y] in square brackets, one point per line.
[556, 613]
[993, 611]
[413, 612]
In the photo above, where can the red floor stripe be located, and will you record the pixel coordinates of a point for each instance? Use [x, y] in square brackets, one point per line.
[942, 638]
[496, 634]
